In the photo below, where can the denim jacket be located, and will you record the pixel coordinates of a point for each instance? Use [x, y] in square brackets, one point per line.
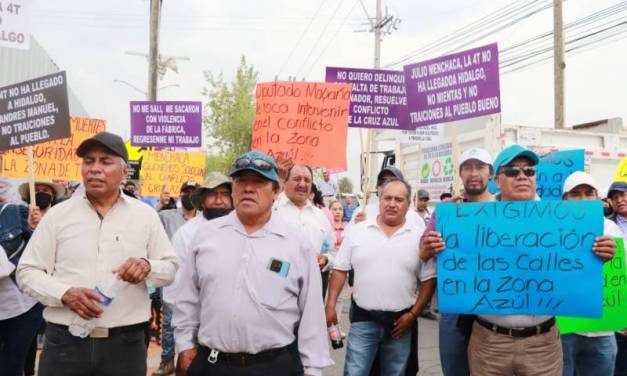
[14, 230]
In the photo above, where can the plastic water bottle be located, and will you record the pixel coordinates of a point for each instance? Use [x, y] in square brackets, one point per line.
[335, 336]
[108, 290]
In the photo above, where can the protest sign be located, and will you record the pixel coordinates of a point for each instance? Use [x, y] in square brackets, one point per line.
[429, 134]
[55, 159]
[166, 123]
[378, 98]
[305, 121]
[614, 300]
[15, 24]
[170, 168]
[459, 86]
[621, 171]
[553, 170]
[34, 111]
[436, 169]
[520, 257]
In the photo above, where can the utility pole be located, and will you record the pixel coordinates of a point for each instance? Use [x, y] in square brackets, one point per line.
[558, 64]
[153, 53]
[377, 36]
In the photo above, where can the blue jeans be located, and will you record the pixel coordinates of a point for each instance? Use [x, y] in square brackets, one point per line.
[364, 339]
[588, 356]
[453, 350]
[168, 332]
[621, 357]
[16, 336]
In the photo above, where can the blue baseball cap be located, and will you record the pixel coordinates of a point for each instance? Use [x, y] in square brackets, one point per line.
[510, 153]
[617, 186]
[258, 162]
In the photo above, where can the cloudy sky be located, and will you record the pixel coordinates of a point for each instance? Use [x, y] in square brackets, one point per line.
[89, 39]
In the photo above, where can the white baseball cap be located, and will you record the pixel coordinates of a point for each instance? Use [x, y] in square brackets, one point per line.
[476, 153]
[578, 178]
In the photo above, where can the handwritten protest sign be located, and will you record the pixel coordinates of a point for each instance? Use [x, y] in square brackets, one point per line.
[621, 171]
[166, 123]
[553, 170]
[55, 159]
[436, 169]
[614, 300]
[378, 98]
[34, 111]
[305, 121]
[524, 257]
[168, 167]
[458, 86]
[15, 23]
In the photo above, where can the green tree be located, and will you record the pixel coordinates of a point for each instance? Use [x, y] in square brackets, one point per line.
[229, 115]
[345, 185]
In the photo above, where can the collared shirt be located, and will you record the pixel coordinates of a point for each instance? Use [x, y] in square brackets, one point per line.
[181, 242]
[312, 222]
[327, 188]
[172, 220]
[386, 268]
[74, 247]
[229, 299]
[622, 224]
[348, 211]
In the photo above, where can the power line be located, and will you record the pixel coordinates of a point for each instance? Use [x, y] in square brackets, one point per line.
[302, 35]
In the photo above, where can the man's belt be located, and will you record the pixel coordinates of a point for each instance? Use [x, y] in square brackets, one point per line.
[242, 359]
[518, 332]
[101, 332]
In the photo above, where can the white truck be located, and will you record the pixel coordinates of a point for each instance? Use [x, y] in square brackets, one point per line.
[604, 142]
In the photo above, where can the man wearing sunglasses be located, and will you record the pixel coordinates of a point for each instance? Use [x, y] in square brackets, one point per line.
[250, 291]
[532, 346]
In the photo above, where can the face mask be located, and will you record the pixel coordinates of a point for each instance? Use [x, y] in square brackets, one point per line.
[211, 213]
[186, 201]
[43, 200]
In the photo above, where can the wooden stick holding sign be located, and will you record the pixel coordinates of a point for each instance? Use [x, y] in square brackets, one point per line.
[455, 148]
[31, 176]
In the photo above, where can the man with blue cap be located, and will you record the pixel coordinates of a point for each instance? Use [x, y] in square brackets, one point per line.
[517, 344]
[250, 293]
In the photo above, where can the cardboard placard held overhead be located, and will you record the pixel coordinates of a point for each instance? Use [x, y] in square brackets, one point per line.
[305, 121]
[520, 257]
[166, 124]
[55, 159]
[459, 86]
[15, 23]
[378, 98]
[171, 169]
[34, 111]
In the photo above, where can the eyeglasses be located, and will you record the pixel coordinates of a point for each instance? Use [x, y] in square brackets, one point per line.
[514, 171]
[258, 164]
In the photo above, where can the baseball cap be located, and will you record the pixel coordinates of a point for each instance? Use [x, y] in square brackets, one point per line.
[423, 194]
[392, 170]
[576, 179]
[479, 154]
[617, 186]
[188, 184]
[213, 180]
[511, 153]
[258, 162]
[111, 141]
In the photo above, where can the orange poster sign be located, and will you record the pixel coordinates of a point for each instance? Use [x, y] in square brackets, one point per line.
[54, 159]
[305, 121]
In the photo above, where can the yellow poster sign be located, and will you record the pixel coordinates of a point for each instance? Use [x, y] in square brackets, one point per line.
[55, 159]
[621, 171]
[170, 168]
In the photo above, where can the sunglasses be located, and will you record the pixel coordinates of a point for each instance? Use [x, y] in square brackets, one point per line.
[514, 171]
[258, 164]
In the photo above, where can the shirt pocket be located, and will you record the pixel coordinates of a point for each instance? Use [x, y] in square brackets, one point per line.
[269, 287]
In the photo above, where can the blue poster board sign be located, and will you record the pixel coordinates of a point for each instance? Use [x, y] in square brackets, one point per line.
[525, 257]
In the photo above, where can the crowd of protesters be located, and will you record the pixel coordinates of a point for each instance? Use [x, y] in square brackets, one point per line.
[246, 272]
